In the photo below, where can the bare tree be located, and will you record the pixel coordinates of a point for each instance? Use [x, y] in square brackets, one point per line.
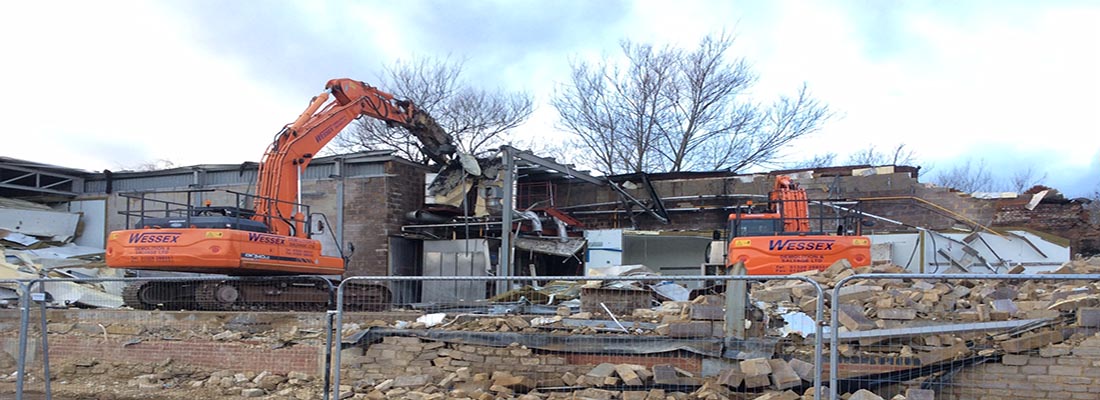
[1024, 179]
[967, 177]
[820, 160]
[669, 109]
[479, 120]
[872, 156]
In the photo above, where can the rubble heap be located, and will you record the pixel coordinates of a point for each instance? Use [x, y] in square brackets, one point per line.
[936, 320]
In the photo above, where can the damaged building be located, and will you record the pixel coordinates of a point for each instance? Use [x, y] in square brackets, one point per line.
[404, 221]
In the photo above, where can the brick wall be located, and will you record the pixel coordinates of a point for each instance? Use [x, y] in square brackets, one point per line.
[1029, 377]
[1069, 220]
[887, 195]
[403, 356]
[374, 209]
[236, 356]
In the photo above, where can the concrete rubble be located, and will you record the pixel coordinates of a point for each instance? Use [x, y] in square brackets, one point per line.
[939, 320]
[926, 321]
[171, 380]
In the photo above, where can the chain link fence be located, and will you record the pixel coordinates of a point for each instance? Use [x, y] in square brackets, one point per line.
[953, 336]
[591, 337]
[14, 336]
[208, 337]
[966, 336]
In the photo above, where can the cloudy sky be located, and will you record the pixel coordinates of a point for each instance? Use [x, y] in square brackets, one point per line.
[110, 84]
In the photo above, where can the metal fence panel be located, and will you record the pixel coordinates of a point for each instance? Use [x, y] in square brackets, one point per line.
[966, 336]
[13, 351]
[208, 337]
[572, 336]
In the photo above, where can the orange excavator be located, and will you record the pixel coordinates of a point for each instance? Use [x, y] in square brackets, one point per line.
[273, 238]
[784, 239]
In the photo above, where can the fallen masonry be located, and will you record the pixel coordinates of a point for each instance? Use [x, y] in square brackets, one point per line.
[901, 329]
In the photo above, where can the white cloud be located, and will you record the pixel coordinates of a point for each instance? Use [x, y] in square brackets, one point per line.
[1017, 80]
[105, 84]
[120, 83]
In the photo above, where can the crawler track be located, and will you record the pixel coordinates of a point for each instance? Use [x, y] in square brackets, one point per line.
[306, 294]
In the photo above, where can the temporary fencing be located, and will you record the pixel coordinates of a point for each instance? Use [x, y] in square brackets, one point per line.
[966, 336]
[593, 336]
[14, 293]
[210, 336]
[954, 335]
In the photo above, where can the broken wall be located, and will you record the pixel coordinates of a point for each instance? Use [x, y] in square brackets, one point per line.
[1069, 376]
[704, 201]
[374, 210]
[1070, 220]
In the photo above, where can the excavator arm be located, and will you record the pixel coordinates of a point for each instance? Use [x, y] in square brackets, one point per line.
[297, 143]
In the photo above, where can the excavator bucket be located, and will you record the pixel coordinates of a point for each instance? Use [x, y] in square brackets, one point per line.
[435, 142]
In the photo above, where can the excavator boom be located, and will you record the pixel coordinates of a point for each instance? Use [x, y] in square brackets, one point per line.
[296, 144]
[272, 238]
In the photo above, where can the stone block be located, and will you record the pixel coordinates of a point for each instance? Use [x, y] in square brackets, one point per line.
[757, 381]
[1088, 317]
[700, 312]
[384, 385]
[731, 377]
[569, 378]
[945, 353]
[1004, 306]
[693, 329]
[655, 394]
[665, 375]
[601, 371]
[755, 366]
[804, 370]
[854, 294]
[627, 374]
[864, 394]
[772, 295]
[1031, 341]
[851, 316]
[783, 376]
[515, 383]
[1014, 359]
[920, 394]
[897, 313]
[1056, 350]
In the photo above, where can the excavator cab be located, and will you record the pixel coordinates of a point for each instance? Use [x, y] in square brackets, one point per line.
[784, 238]
[755, 225]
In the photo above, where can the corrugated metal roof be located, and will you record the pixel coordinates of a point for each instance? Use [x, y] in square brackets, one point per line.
[361, 164]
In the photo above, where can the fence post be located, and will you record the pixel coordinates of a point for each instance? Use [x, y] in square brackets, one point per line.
[329, 315]
[736, 296]
[41, 299]
[337, 332]
[24, 321]
[819, 330]
[834, 339]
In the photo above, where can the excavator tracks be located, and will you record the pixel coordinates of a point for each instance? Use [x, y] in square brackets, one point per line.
[246, 295]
